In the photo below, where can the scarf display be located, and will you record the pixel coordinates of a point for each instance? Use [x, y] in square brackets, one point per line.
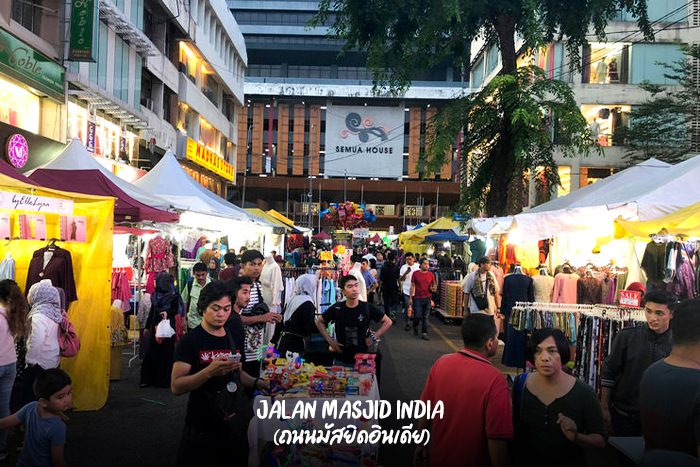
[44, 299]
[304, 291]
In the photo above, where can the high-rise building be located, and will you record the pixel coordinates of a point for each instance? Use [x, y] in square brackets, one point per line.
[312, 132]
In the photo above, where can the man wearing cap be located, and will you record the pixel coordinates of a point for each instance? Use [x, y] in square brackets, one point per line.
[481, 292]
[253, 320]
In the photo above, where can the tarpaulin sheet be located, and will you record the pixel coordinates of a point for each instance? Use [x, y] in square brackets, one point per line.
[417, 235]
[92, 269]
[685, 221]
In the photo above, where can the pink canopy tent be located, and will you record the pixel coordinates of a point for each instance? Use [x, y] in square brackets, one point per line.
[76, 170]
[321, 236]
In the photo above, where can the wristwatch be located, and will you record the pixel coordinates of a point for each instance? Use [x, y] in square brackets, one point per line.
[374, 338]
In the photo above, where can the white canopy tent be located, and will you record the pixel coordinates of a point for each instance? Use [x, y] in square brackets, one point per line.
[490, 225]
[76, 157]
[643, 192]
[170, 181]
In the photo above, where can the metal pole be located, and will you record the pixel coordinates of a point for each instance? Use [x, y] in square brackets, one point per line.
[404, 206]
[319, 208]
[437, 203]
[287, 205]
[136, 299]
[311, 199]
[345, 187]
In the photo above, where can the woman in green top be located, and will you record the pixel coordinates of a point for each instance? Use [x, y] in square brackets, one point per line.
[559, 416]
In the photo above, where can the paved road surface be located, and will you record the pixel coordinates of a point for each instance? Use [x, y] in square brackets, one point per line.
[141, 427]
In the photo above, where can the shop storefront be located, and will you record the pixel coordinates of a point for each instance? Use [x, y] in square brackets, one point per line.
[208, 168]
[32, 96]
[101, 136]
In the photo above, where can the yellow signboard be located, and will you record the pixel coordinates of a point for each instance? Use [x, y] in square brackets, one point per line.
[209, 160]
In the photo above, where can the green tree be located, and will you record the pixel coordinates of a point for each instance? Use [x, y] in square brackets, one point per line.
[401, 36]
[660, 127]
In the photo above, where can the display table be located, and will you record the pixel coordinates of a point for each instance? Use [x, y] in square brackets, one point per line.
[264, 430]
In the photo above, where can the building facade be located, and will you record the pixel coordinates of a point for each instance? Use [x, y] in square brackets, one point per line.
[32, 80]
[606, 82]
[312, 132]
[148, 76]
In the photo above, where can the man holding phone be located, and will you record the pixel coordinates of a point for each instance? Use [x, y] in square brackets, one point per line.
[423, 285]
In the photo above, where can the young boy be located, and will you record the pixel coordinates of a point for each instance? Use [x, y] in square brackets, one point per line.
[45, 430]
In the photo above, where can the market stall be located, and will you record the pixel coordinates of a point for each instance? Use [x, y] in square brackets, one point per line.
[75, 169]
[202, 209]
[76, 230]
[302, 382]
[411, 240]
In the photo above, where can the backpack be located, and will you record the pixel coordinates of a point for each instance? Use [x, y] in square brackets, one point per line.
[68, 340]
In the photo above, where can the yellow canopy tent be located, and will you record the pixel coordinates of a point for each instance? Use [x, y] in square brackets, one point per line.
[285, 219]
[268, 217]
[92, 270]
[418, 235]
[685, 221]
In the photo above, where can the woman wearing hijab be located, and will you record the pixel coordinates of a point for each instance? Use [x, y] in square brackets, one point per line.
[158, 362]
[214, 267]
[299, 316]
[43, 351]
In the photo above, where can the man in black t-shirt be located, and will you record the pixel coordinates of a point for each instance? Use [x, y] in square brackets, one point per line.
[205, 363]
[389, 283]
[351, 318]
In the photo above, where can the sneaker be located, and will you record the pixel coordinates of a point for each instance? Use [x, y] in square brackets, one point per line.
[415, 331]
[408, 326]
[425, 337]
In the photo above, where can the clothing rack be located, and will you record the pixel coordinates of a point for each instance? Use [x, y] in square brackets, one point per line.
[591, 328]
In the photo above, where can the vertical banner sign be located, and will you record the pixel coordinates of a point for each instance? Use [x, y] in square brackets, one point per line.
[91, 129]
[84, 22]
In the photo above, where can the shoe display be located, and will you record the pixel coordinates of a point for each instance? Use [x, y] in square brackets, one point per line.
[425, 337]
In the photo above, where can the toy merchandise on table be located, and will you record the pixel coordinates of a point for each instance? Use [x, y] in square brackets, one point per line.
[294, 377]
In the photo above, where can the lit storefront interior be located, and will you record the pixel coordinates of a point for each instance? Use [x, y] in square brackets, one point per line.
[107, 133]
[19, 107]
[565, 180]
[603, 120]
[210, 183]
[606, 63]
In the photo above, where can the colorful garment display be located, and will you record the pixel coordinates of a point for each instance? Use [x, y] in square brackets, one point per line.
[7, 267]
[516, 288]
[589, 291]
[160, 255]
[121, 289]
[565, 288]
[55, 263]
[544, 287]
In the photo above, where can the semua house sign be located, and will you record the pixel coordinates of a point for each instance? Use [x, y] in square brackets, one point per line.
[364, 141]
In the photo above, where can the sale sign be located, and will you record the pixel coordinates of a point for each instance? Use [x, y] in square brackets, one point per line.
[630, 298]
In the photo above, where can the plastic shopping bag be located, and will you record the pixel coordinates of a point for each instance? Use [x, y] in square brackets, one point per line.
[164, 330]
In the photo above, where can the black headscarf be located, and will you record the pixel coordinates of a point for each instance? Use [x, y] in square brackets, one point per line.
[214, 273]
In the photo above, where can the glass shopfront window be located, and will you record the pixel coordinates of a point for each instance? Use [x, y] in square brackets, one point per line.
[210, 87]
[605, 64]
[564, 180]
[19, 107]
[207, 135]
[185, 118]
[603, 120]
[107, 133]
[188, 62]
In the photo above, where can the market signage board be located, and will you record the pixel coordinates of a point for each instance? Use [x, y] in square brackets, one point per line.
[33, 68]
[33, 203]
[84, 22]
[630, 298]
[364, 141]
[17, 151]
[200, 155]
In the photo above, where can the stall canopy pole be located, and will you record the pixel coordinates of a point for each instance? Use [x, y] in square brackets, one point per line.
[137, 298]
